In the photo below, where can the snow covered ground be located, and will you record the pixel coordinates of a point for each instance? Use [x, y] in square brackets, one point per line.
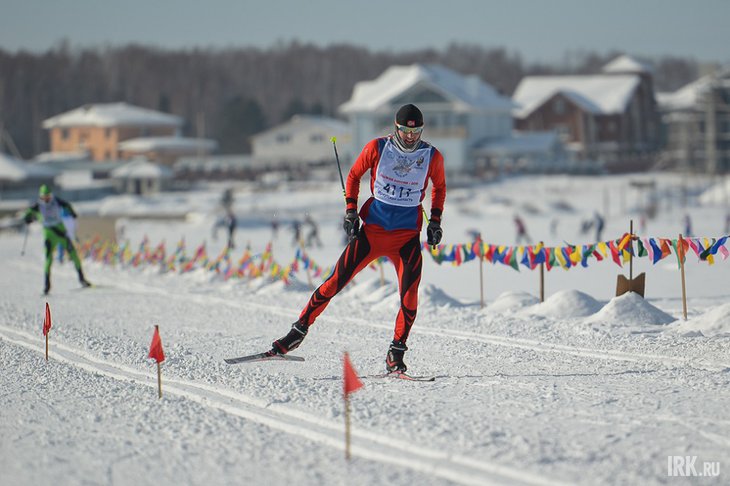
[584, 388]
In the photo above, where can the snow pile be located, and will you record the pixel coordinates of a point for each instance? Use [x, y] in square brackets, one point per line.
[431, 295]
[387, 296]
[566, 304]
[717, 194]
[715, 322]
[630, 309]
[511, 302]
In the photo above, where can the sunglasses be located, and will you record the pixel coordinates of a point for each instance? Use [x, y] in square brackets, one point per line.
[406, 129]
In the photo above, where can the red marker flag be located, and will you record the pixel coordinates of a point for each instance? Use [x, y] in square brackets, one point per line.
[351, 381]
[156, 352]
[47, 321]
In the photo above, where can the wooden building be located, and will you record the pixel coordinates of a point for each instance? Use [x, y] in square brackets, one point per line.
[610, 118]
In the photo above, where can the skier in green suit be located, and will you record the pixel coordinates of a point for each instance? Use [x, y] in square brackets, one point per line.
[49, 209]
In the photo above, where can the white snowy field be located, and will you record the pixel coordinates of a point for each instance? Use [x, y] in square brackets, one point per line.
[585, 388]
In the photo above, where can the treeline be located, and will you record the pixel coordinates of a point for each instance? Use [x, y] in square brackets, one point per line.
[230, 94]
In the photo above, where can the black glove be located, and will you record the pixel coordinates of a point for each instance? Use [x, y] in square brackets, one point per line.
[434, 233]
[351, 225]
[28, 219]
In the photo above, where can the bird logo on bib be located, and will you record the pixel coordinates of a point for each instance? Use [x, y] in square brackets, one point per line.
[400, 176]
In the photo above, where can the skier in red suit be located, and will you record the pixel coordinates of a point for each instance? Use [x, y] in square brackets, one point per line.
[400, 166]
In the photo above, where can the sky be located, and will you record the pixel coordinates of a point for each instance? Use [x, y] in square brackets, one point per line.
[537, 30]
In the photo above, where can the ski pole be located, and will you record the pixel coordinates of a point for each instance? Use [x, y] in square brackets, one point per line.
[25, 240]
[339, 168]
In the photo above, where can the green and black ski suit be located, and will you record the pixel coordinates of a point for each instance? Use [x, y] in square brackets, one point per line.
[54, 233]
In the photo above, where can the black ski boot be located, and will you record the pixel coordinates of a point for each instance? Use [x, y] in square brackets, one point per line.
[47, 286]
[394, 359]
[82, 280]
[292, 340]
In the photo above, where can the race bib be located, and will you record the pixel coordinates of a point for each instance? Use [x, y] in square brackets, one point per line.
[401, 176]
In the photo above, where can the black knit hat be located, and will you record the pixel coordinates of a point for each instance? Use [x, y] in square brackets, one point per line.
[409, 116]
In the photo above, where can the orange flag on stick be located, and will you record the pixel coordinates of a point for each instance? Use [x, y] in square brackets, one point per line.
[47, 321]
[156, 352]
[351, 381]
[158, 355]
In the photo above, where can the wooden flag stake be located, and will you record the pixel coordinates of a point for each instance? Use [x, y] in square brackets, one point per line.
[159, 373]
[159, 381]
[631, 256]
[542, 277]
[350, 383]
[481, 271]
[158, 355]
[680, 250]
[637, 284]
[309, 270]
[347, 427]
[47, 325]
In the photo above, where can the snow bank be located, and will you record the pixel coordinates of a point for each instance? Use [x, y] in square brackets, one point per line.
[714, 322]
[511, 302]
[566, 304]
[630, 309]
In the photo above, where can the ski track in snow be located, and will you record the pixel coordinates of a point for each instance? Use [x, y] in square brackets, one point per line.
[454, 467]
[519, 343]
[577, 391]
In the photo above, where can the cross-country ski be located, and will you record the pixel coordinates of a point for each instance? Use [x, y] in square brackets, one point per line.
[266, 356]
[399, 375]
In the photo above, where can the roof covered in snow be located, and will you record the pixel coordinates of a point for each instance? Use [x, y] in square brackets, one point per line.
[468, 93]
[602, 94]
[141, 169]
[180, 145]
[627, 64]
[296, 122]
[12, 169]
[111, 115]
[689, 95]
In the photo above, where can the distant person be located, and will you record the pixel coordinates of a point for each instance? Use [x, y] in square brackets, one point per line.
[230, 223]
[48, 209]
[227, 199]
[687, 225]
[296, 228]
[274, 227]
[727, 224]
[585, 226]
[521, 231]
[554, 227]
[400, 167]
[474, 235]
[599, 223]
[313, 234]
